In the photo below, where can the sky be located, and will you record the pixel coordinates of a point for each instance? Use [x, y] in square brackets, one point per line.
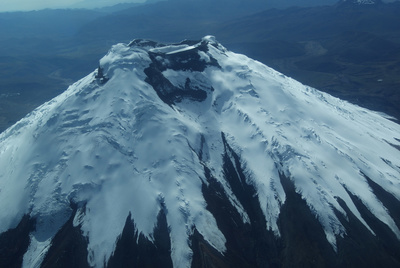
[25, 5]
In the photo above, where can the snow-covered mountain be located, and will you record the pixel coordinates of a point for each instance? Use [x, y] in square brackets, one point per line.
[190, 155]
[361, 2]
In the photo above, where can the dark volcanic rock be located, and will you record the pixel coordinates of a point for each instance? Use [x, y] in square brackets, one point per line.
[304, 241]
[186, 60]
[68, 248]
[135, 250]
[15, 242]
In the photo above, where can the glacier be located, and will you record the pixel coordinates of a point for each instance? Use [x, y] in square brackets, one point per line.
[140, 142]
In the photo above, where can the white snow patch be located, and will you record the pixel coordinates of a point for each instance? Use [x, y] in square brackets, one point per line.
[36, 252]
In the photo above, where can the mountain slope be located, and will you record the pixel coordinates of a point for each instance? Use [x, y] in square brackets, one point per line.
[199, 156]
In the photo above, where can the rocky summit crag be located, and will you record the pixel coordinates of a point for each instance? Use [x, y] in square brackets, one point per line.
[189, 155]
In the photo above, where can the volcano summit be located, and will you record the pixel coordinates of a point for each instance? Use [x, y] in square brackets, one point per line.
[189, 155]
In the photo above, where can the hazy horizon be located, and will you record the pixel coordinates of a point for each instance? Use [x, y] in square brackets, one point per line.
[27, 5]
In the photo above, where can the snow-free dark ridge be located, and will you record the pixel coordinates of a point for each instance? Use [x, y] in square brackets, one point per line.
[191, 155]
